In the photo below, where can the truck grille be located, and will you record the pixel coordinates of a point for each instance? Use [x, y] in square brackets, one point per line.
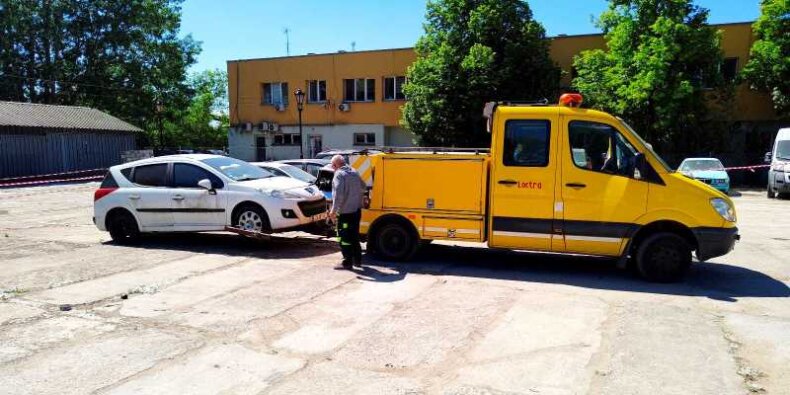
[312, 208]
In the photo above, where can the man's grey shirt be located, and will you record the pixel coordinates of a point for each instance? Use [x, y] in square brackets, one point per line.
[348, 191]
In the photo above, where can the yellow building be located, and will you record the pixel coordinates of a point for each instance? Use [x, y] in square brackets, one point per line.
[354, 98]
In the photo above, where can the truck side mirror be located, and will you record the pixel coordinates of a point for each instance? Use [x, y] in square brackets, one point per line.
[640, 166]
[768, 157]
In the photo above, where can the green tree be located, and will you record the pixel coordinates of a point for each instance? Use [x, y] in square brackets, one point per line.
[118, 56]
[474, 51]
[769, 66]
[661, 72]
[205, 122]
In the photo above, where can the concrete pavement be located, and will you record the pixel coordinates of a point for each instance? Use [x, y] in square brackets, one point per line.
[215, 313]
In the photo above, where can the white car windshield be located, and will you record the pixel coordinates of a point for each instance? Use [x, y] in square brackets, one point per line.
[237, 170]
[297, 173]
[701, 165]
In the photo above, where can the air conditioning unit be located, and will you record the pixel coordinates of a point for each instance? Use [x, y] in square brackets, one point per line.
[248, 127]
[279, 107]
[273, 127]
[344, 107]
[264, 126]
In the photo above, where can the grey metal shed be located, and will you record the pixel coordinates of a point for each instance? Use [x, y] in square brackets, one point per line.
[38, 139]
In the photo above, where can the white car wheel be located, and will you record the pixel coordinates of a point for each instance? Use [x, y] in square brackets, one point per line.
[250, 220]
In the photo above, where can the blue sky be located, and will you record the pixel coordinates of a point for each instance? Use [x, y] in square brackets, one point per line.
[239, 29]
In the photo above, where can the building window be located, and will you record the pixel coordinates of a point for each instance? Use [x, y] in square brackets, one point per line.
[393, 88]
[316, 91]
[729, 69]
[359, 89]
[275, 93]
[287, 139]
[364, 138]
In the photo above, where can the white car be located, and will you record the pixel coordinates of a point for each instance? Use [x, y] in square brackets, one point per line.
[197, 192]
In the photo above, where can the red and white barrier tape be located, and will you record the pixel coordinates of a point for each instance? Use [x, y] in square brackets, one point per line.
[51, 175]
[750, 168]
[40, 182]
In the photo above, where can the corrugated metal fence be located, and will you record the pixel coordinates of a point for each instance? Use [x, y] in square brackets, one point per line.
[32, 151]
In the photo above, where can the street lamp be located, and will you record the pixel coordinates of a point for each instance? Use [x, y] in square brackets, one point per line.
[299, 107]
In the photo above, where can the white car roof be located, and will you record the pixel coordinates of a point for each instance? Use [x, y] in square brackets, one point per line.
[170, 158]
[276, 165]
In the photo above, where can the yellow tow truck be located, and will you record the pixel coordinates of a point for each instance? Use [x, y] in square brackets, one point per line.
[559, 179]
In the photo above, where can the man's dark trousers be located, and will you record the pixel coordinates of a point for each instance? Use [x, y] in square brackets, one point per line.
[348, 231]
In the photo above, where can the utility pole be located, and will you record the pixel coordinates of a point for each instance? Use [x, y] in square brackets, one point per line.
[287, 42]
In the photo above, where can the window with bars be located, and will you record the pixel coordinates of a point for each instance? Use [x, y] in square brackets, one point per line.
[287, 139]
[359, 89]
[364, 138]
[393, 88]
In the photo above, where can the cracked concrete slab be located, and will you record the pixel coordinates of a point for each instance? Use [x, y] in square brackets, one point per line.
[224, 369]
[89, 366]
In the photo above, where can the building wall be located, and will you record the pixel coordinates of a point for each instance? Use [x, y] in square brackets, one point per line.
[32, 151]
[245, 143]
[246, 79]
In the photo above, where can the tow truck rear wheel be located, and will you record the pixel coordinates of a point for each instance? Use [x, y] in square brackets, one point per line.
[663, 257]
[394, 241]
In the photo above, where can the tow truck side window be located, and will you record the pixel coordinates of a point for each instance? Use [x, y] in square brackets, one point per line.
[600, 147]
[526, 143]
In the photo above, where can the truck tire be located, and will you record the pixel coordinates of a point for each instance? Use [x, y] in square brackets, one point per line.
[771, 193]
[394, 241]
[122, 227]
[663, 257]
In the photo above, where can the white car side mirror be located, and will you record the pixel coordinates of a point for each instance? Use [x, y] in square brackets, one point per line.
[206, 184]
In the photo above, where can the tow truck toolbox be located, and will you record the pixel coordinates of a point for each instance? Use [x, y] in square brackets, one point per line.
[559, 179]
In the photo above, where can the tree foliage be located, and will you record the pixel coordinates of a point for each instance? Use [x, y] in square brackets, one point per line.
[769, 66]
[121, 57]
[661, 72]
[204, 122]
[474, 51]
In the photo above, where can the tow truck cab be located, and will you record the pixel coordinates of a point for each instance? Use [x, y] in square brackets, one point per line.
[557, 178]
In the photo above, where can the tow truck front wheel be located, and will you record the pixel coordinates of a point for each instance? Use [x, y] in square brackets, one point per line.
[394, 242]
[663, 257]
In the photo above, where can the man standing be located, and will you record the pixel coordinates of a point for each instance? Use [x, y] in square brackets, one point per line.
[348, 191]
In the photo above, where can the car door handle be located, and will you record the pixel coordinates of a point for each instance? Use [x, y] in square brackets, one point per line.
[576, 185]
[508, 182]
[178, 197]
[134, 197]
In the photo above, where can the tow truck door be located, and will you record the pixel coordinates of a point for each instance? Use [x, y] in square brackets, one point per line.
[522, 187]
[601, 199]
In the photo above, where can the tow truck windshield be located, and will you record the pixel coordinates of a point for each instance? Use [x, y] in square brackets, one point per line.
[646, 144]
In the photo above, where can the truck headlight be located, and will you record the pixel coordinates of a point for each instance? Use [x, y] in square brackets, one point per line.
[723, 208]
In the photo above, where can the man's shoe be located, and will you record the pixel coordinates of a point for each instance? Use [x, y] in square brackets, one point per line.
[357, 262]
[344, 265]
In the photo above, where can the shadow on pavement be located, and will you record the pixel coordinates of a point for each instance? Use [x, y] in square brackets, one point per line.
[235, 245]
[713, 280]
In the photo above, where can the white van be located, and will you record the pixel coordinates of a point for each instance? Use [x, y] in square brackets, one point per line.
[779, 157]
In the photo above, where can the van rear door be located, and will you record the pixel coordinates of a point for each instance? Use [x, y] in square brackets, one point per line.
[522, 186]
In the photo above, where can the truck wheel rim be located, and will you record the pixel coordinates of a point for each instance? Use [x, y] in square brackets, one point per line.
[394, 241]
[250, 220]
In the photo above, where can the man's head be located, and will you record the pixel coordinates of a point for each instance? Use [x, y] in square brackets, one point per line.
[338, 162]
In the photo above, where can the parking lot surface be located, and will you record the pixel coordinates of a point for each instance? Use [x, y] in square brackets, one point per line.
[216, 313]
